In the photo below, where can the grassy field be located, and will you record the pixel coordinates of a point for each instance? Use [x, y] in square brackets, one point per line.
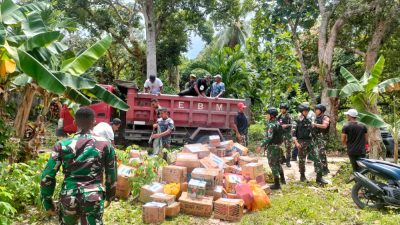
[297, 203]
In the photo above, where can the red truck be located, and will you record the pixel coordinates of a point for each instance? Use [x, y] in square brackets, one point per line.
[195, 118]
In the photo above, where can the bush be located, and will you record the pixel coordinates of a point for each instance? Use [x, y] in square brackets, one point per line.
[256, 132]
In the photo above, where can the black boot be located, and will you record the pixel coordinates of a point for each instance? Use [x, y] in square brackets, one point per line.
[282, 177]
[320, 179]
[276, 184]
[288, 162]
[303, 177]
[283, 160]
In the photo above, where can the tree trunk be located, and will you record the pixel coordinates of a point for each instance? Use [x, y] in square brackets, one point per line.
[173, 73]
[151, 60]
[24, 110]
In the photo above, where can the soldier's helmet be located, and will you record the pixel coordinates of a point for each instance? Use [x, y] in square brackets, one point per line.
[272, 111]
[320, 107]
[284, 106]
[303, 107]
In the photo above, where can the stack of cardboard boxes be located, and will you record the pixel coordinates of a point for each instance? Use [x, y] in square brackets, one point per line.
[212, 178]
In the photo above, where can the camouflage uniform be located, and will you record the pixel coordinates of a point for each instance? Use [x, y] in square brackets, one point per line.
[320, 140]
[285, 119]
[83, 158]
[273, 148]
[303, 134]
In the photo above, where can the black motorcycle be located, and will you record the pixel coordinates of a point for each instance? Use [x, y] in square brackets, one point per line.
[377, 184]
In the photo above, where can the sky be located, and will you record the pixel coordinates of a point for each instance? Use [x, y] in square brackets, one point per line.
[195, 47]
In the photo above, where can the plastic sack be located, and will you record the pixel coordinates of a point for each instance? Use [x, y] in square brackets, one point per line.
[261, 199]
[244, 192]
[172, 189]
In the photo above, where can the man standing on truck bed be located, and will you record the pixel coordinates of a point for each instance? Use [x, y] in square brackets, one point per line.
[199, 88]
[241, 125]
[192, 79]
[153, 85]
[217, 88]
[106, 130]
[155, 104]
[165, 126]
[85, 159]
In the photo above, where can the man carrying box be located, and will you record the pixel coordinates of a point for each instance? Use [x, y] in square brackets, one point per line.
[165, 126]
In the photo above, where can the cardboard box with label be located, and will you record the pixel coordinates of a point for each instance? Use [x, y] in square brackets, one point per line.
[213, 177]
[229, 161]
[228, 209]
[220, 152]
[233, 169]
[227, 145]
[242, 150]
[196, 207]
[196, 188]
[173, 209]
[123, 188]
[147, 190]
[243, 160]
[153, 212]
[163, 198]
[252, 170]
[174, 174]
[231, 180]
[199, 149]
[214, 140]
[212, 162]
[188, 160]
[218, 191]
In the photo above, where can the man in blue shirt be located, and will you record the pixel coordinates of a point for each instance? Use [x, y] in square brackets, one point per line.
[165, 125]
[218, 87]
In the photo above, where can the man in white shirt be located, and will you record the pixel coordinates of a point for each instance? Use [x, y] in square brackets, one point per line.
[153, 85]
[106, 130]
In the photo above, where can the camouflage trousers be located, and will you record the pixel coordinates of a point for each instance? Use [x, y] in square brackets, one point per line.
[307, 148]
[320, 145]
[273, 155]
[287, 142]
[84, 208]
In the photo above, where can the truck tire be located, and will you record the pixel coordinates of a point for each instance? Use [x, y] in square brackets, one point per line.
[202, 139]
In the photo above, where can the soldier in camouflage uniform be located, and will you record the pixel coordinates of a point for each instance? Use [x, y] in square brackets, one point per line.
[285, 121]
[321, 131]
[84, 159]
[273, 140]
[302, 137]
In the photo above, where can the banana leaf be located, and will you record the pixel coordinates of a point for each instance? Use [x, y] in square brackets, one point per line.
[22, 80]
[11, 13]
[75, 82]
[76, 96]
[371, 119]
[84, 61]
[35, 7]
[39, 73]
[107, 97]
[389, 85]
[349, 89]
[33, 25]
[2, 34]
[41, 40]
[348, 76]
[375, 75]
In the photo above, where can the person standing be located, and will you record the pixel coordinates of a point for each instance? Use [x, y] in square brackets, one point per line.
[354, 138]
[199, 88]
[217, 88]
[272, 142]
[106, 130]
[85, 159]
[165, 126]
[153, 85]
[155, 104]
[321, 131]
[285, 120]
[192, 79]
[302, 138]
[241, 125]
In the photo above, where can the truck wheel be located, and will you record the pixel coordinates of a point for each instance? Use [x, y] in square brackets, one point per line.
[203, 139]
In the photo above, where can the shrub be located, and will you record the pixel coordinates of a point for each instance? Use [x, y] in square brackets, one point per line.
[256, 132]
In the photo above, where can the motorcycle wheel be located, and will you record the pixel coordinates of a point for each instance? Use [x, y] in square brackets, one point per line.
[359, 194]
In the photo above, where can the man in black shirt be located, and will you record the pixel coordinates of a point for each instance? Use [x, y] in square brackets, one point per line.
[354, 138]
[241, 125]
[198, 88]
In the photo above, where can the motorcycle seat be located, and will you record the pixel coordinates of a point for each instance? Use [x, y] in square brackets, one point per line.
[389, 170]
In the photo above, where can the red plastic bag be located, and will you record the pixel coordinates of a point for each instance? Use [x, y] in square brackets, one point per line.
[244, 192]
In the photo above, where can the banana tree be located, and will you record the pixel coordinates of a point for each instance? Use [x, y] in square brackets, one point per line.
[364, 94]
[36, 51]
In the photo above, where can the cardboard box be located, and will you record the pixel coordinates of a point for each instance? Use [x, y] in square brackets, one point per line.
[196, 188]
[214, 140]
[233, 169]
[196, 207]
[240, 148]
[218, 191]
[229, 161]
[173, 209]
[188, 160]
[137, 154]
[227, 145]
[252, 170]
[243, 160]
[213, 177]
[266, 189]
[220, 152]
[232, 196]
[163, 198]
[231, 180]
[153, 212]
[123, 188]
[184, 186]
[228, 209]
[174, 174]
[200, 150]
[147, 190]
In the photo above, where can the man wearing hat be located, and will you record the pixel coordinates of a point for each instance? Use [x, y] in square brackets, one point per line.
[106, 130]
[153, 85]
[354, 138]
[192, 79]
[241, 125]
[217, 88]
